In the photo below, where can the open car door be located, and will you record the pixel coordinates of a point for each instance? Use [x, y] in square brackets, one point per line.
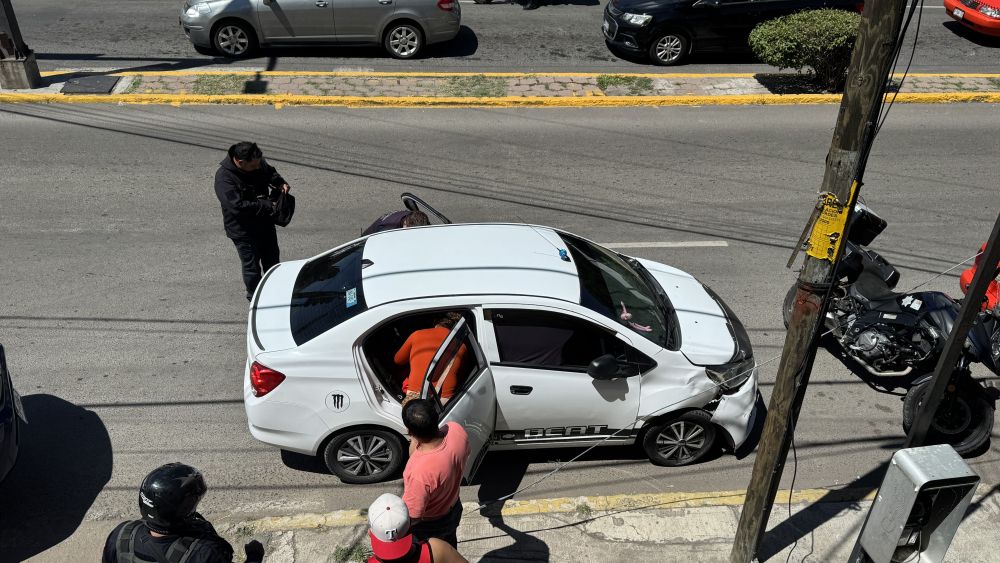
[414, 203]
[459, 382]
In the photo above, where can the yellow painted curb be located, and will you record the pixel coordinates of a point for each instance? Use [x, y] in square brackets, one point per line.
[507, 101]
[590, 505]
[409, 74]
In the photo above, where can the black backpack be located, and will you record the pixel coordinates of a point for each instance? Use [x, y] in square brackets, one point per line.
[179, 551]
[284, 208]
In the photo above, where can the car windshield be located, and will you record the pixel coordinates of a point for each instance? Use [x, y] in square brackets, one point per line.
[609, 286]
[327, 292]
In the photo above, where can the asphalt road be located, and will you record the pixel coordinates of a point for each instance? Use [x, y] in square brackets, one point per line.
[123, 314]
[561, 37]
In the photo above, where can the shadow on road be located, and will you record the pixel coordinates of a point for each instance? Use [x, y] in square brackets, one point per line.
[805, 521]
[969, 35]
[64, 462]
[502, 480]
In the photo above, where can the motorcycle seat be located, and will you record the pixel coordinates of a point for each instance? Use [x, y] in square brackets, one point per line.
[873, 289]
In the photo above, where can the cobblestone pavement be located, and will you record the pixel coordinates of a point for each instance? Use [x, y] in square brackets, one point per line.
[527, 85]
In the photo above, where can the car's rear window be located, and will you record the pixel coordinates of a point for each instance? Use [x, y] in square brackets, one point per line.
[327, 292]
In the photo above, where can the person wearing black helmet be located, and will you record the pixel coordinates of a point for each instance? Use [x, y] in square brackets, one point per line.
[171, 530]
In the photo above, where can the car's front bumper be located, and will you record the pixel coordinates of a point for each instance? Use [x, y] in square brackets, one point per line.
[972, 18]
[624, 36]
[737, 412]
[198, 30]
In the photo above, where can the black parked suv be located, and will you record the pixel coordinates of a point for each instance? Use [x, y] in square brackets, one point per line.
[669, 30]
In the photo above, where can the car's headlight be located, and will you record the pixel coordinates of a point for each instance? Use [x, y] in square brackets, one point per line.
[637, 19]
[990, 11]
[731, 376]
[201, 8]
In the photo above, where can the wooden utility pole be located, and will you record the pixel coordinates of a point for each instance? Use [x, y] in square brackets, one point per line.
[18, 68]
[864, 93]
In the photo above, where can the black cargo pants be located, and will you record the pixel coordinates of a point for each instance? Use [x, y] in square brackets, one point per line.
[258, 252]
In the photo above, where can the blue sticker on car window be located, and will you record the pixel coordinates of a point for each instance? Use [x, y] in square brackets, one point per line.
[352, 297]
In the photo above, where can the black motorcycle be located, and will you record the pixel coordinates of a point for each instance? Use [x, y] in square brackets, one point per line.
[902, 334]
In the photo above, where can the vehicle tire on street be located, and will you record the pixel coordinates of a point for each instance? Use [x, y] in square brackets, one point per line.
[234, 39]
[404, 40]
[669, 48]
[680, 441]
[364, 456]
[964, 419]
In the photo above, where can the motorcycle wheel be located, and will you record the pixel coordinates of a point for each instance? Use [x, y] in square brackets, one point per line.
[964, 419]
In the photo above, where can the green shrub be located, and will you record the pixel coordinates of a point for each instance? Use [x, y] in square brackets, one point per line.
[820, 40]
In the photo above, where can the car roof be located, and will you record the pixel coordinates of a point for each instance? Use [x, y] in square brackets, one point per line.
[467, 259]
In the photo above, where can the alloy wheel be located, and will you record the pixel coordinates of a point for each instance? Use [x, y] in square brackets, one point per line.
[680, 440]
[365, 455]
[669, 48]
[233, 40]
[404, 41]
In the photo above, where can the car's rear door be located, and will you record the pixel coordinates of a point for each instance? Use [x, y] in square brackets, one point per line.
[460, 364]
[294, 21]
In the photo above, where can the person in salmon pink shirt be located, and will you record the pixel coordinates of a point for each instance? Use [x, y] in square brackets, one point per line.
[418, 351]
[433, 474]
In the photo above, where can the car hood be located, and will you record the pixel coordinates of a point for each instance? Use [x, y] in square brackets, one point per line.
[270, 317]
[705, 335]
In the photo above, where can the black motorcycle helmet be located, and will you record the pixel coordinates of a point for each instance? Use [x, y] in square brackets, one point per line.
[169, 496]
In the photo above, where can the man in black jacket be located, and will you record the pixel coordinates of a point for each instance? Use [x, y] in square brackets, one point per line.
[243, 183]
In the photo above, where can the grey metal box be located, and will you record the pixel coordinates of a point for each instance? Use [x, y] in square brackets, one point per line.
[919, 506]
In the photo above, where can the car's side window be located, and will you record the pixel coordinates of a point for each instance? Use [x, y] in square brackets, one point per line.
[400, 350]
[459, 364]
[547, 340]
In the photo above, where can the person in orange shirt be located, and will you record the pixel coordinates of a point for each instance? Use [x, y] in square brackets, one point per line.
[992, 291]
[418, 351]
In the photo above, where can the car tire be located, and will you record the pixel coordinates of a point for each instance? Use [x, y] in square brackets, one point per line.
[234, 39]
[364, 456]
[963, 421]
[403, 40]
[682, 440]
[669, 48]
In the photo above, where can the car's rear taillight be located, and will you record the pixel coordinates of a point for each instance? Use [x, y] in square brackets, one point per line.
[264, 379]
[446, 5]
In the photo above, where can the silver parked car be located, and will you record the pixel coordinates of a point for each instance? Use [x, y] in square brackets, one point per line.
[234, 28]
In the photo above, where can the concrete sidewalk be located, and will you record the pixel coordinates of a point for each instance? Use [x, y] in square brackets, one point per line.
[485, 89]
[679, 527]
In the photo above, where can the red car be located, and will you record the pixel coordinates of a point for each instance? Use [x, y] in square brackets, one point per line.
[979, 15]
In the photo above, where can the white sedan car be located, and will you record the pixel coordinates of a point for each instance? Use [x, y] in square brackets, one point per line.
[561, 343]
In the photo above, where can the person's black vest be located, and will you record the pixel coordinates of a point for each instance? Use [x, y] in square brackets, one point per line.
[178, 552]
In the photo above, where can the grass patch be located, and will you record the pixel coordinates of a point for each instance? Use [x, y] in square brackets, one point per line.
[356, 553]
[636, 85]
[995, 82]
[476, 86]
[219, 84]
[135, 85]
[584, 511]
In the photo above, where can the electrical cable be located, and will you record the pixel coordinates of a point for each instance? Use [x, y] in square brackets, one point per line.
[913, 51]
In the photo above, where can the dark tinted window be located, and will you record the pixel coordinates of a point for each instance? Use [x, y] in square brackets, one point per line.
[327, 292]
[609, 286]
[553, 341]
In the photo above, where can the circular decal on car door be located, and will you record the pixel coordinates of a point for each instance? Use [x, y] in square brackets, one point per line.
[337, 401]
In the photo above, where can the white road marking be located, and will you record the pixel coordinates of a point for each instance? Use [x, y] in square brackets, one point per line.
[664, 244]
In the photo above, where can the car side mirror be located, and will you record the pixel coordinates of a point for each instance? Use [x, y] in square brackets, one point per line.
[604, 368]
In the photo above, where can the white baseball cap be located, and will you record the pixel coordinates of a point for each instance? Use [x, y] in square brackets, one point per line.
[389, 527]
